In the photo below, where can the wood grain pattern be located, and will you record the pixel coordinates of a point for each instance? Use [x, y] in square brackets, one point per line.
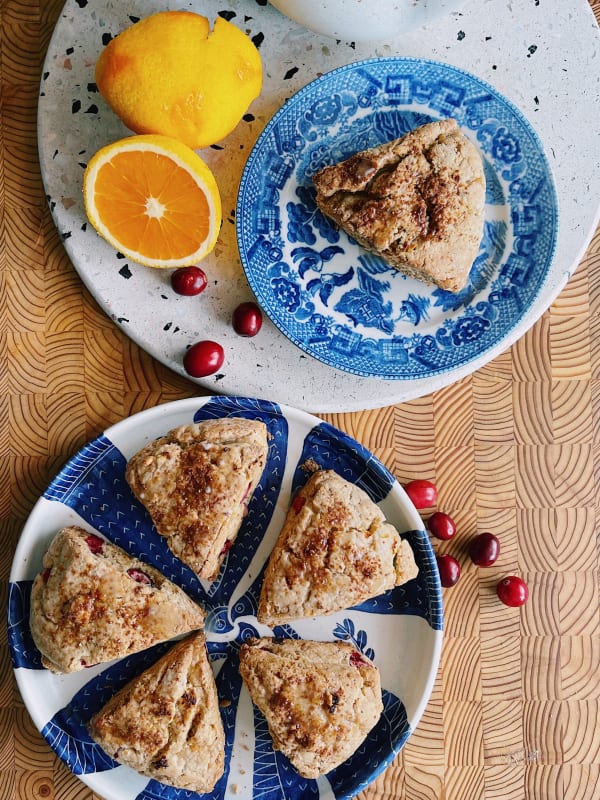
[514, 449]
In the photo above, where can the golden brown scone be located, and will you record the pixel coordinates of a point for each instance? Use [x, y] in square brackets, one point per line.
[320, 699]
[196, 483]
[93, 602]
[417, 201]
[166, 724]
[335, 550]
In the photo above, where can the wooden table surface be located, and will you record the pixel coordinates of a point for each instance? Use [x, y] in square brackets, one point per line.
[514, 449]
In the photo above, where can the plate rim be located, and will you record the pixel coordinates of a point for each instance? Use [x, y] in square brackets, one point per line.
[445, 375]
[187, 407]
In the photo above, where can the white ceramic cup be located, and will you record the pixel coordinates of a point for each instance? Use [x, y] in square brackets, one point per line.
[363, 20]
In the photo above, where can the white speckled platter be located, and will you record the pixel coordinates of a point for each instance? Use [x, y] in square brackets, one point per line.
[517, 48]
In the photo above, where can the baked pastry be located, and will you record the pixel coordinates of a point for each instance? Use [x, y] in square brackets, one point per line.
[335, 550]
[418, 202]
[196, 483]
[320, 699]
[93, 602]
[166, 723]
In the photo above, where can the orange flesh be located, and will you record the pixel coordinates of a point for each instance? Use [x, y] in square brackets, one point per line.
[123, 188]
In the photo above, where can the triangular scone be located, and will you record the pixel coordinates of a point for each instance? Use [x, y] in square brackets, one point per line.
[93, 602]
[335, 550]
[417, 201]
[320, 699]
[166, 723]
[196, 483]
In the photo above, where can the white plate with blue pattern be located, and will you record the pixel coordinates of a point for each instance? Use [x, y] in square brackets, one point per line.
[346, 307]
[401, 630]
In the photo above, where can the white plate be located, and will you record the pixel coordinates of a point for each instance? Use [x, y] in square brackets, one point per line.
[345, 306]
[401, 630]
[74, 121]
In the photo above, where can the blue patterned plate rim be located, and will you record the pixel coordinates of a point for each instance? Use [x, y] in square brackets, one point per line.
[345, 307]
[90, 490]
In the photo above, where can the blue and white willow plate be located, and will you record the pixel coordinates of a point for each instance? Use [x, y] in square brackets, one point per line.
[347, 307]
[401, 630]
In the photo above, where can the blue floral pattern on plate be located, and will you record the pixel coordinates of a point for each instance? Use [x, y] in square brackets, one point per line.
[91, 490]
[346, 307]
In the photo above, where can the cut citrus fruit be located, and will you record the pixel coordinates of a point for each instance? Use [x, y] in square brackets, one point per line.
[170, 74]
[154, 199]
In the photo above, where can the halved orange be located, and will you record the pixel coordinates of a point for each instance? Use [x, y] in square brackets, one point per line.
[154, 199]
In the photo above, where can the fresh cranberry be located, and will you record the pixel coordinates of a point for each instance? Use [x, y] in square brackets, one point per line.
[203, 358]
[422, 494]
[512, 591]
[484, 549]
[449, 570]
[95, 543]
[188, 281]
[441, 525]
[247, 319]
[139, 576]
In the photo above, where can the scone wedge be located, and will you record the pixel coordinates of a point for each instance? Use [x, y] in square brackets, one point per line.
[320, 699]
[166, 723]
[335, 550]
[196, 483]
[417, 201]
[93, 602]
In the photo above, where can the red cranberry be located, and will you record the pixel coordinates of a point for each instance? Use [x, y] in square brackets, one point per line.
[449, 570]
[188, 280]
[203, 358]
[423, 494]
[356, 660]
[247, 492]
[226, 547]
[46, 575]
[139, 576]
[247, 319]
[297, 503]
[95, 543]
[441, 525]
[484, 549]
[512, 591]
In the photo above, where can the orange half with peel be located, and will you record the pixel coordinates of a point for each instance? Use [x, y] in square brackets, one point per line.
[154, 199]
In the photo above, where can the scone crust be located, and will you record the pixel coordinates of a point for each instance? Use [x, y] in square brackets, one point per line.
[335, 550]
[417, 201]
[196, 483]
[320, 699]
[90, 607]
[166, 723]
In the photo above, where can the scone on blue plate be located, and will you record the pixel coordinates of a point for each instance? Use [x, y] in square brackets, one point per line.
[93, 602]
[166, 724]
[335, 550]
[320, 699]
[196, 483]
[417, 201]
